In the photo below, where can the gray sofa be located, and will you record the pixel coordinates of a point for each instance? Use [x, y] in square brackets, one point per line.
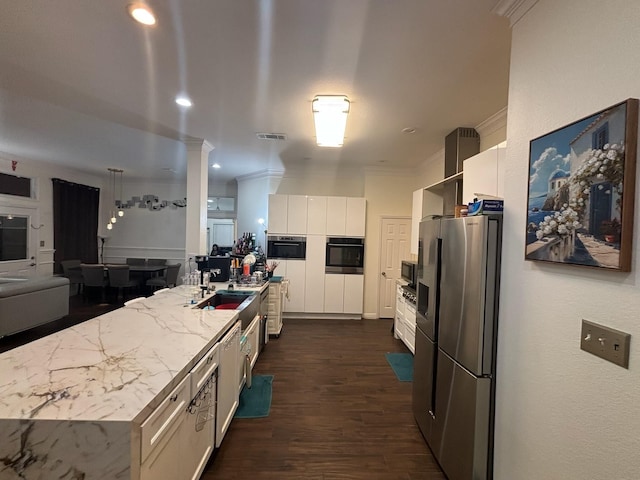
[28, 302]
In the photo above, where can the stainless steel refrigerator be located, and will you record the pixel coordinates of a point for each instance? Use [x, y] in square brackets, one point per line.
[455, 352]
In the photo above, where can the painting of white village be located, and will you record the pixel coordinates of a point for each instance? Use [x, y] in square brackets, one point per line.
[576, 187]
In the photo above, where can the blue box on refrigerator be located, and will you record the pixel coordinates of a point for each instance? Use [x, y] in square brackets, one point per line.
[482, 207]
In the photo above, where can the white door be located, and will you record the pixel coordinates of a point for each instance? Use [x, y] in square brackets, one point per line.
[19, 241]
[395, 238]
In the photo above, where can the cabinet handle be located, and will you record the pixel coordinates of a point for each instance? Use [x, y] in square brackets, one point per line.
[210, 359]
[174, 397]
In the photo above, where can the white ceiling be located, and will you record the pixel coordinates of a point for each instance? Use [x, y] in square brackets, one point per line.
[83, 85]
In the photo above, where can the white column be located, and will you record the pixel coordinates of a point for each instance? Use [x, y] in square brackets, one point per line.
[197, 192]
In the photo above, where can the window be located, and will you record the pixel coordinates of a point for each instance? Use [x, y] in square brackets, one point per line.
[13, 237]
[600, 137]
[13, 185]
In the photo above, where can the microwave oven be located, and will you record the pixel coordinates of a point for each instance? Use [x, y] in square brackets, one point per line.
[286, 247]
[408, 272]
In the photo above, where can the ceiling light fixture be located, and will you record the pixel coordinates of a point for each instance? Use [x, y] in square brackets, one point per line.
[141, 14]
[183, 101]
[330, 116]
[215, 165]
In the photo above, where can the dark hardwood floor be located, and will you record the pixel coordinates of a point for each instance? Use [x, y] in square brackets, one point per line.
[337, 412]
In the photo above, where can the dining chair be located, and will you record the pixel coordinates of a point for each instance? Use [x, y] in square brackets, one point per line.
[119, 278]
[170, 278]
[156, 262]
[71, 270]
[93, 277]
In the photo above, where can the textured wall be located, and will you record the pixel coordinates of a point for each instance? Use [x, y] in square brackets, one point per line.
[563, 413]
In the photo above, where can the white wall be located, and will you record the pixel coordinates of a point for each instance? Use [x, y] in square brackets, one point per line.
[42, 173]
[563, 413]
[148, 233]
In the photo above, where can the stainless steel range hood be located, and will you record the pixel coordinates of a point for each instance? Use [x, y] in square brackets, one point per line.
[459, 145]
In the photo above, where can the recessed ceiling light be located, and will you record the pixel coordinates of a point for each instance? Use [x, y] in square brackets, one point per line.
[215, 165]
[409, 130]
[183, 101]
[210, 201]
[141, 13]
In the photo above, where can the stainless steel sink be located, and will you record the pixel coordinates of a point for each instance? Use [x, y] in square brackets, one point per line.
[248, 303]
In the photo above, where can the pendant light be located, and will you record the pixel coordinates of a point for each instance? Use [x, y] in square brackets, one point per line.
[113, 199]
[120, 210]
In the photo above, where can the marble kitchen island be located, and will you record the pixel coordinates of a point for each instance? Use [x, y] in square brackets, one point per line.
[72, 403]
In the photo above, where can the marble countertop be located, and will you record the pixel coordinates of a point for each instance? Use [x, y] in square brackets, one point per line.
[115, 367]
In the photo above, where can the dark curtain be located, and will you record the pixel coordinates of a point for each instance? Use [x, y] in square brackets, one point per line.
[75, 222]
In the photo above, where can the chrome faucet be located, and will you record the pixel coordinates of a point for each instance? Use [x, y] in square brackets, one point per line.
[215, 271]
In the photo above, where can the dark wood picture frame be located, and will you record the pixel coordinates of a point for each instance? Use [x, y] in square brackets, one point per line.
[581, 192]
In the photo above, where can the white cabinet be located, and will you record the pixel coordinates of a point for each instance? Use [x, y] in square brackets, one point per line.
[277, 222]
[295, 272]
[297, 214]
[336, 215]
[398, 323]
[316, 216]
[161, 435]
[274, 315]
[229, 352]
[253, 339]
[343, 293]
[353, 293]
[346, 216]
[410, 326]
[198, 439]
[484, 173]
[333, 293]
[355, 217]
[314, 273]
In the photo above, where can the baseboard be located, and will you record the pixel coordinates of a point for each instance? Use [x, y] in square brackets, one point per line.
[321, 316]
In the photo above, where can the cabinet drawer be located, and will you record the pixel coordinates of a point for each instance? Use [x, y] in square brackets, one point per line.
[203, 370]
[168, 413]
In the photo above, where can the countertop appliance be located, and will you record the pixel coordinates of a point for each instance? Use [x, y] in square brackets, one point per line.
[345, 255]
[286, 247]
[408, 272]
[456, 340]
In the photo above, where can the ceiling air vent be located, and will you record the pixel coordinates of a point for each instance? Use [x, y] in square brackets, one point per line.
[271, 136]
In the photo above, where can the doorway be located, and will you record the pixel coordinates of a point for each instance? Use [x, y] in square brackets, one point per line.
[395, 238]
[221, 231]
[18, 241]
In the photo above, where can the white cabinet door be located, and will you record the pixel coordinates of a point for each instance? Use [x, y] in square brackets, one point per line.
[314, 274]
[296, 275]
[502, 159]
[229, 352]
[353, 293]
[277, 221]
[297, 214]
[355, 217]
[480, 175]
[416, 217]
[334, 293]
[336, 215]
[316, 216]
[164, 462]
[253, 337]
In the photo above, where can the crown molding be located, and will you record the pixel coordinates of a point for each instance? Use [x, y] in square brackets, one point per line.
[261, 174]
[494, 122]
[514, 10]
[198, 144]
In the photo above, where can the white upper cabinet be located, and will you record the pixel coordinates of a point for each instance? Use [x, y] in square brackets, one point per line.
[316, 215]
[297, 214]
[416, 216]
[277, 223]
[355, 216]
[484, 173]
[336, 215]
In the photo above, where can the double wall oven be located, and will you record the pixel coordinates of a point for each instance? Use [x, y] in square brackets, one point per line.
[345, 255]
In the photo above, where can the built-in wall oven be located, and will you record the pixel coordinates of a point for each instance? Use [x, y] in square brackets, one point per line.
[286, 247]
[345, 255]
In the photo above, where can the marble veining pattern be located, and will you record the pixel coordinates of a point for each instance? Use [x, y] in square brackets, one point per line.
[112, 367]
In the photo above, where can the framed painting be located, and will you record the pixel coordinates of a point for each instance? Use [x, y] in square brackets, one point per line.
[581, 191]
